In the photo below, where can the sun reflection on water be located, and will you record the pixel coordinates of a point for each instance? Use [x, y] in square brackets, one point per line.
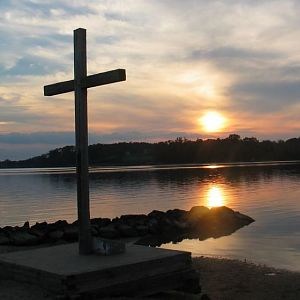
[215, 196]
[211, 167]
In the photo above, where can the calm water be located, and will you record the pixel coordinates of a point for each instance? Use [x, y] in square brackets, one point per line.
[268, 193]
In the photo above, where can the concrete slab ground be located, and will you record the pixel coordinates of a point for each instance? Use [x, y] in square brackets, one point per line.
[61, 270]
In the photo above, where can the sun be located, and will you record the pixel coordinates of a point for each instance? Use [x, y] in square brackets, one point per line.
[212, 122]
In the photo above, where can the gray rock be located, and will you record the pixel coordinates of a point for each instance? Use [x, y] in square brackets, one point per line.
[177, 214]
[70, 233]
[95, 231]
[133, 220]
[153, 226]
[109, 232]
[100, 222]
[222, 211]
[181, 225]
[142, 230]
[26, 225]
[243, 219]
[4, 240]
[59, 225]
[7, 230]
[198, 212]
[23, 238]
[40, 226]
[56, 235]
[166, 224]
[38, 233]
[127, 231]
[157, 214]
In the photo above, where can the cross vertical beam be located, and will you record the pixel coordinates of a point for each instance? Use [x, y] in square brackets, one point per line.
[79, 85]
[81, 129]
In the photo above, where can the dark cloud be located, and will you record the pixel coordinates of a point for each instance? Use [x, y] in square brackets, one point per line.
[12, 111]
[49, 138]
[116, 16]
[231, 53]
[30, 65]
[263, 82]
[9, 151]
[265, 96]
[107, 39]
[43, 9]
[68, 138]
[48, 40]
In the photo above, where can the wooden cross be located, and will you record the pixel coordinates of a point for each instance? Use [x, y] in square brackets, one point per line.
[79, 85]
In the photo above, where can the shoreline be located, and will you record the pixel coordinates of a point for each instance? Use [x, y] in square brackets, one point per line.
[223, 278]
[154, 166]
[220, 278]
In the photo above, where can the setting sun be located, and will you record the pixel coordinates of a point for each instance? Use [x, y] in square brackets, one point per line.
[212, 122]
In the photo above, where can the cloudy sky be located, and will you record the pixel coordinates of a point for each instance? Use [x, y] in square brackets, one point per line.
[239, 60]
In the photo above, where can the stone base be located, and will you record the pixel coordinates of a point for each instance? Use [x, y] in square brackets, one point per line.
[139, 271]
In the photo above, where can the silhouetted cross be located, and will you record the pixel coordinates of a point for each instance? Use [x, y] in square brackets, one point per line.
[79, 85]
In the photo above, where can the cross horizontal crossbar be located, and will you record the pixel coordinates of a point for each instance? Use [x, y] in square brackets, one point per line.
[87, 82]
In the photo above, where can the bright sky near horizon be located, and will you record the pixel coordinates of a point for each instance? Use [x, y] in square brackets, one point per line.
[194, 69]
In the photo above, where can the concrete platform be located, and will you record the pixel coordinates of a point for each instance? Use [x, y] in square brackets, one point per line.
[139, 271]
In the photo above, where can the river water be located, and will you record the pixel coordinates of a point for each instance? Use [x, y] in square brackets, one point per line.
[268, 192]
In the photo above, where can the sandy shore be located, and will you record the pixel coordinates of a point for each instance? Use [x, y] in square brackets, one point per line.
[219, 278]
[233, 279]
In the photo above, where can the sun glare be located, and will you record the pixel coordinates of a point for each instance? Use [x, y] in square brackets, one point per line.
[212, 122]
[215, 197]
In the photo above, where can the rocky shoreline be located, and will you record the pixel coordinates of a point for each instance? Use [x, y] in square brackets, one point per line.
[220, 278]
[153, 229]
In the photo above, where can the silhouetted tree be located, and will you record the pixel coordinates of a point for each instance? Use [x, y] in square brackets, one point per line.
[180, 150]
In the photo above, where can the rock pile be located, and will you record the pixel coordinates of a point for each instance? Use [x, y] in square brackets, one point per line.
[153, 229]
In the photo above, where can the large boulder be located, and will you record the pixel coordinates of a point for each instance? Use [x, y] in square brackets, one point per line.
[23, 238]
[58, 225]
[70, 233]
[100, 222]
[26, 225]
[177, 214]
[40, 230]
[142, 230]
[40, 226]
[55, 235]
[196, 214]
[222, 212]
[153, 225]
[198, 223]
[4, 240]
[133, 220]
[109, 232]
[127, 231]
[243, 219]
[156, 214]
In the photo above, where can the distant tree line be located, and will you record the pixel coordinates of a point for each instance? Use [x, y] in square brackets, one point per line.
[230, 149]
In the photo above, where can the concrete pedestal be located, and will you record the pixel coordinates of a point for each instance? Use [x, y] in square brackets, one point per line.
[137, 272]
